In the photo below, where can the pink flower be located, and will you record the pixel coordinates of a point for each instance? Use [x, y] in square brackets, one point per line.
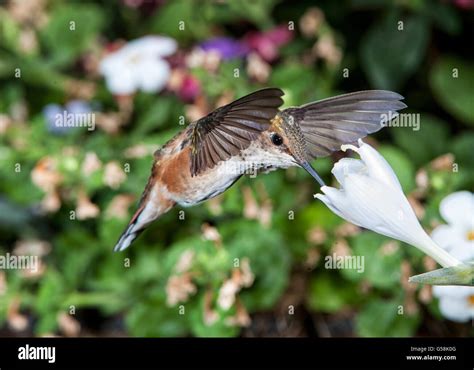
[268, 43]
[464, 4]
[189, 89]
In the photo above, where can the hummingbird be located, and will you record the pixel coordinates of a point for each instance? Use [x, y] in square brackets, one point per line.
[252, 135]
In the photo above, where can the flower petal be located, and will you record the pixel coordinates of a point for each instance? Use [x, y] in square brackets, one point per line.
[153, 75]
[382, 210]
[112, 63]
[455, 292]
[152, 46]
[346, 166]
[455, 309]
[446, 236]
[377, 166]
[333, 199]
[457, 207]
[121, 82]
[464, 250]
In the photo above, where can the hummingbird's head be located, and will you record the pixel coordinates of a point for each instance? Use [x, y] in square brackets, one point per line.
[286, 137]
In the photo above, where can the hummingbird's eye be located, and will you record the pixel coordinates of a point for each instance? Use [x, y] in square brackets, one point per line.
[277, 139]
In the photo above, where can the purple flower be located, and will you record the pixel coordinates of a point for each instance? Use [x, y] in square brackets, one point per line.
[228, 48]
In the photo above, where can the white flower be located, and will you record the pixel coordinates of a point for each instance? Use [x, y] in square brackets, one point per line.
[456, 303]
[138, 65]
[371, 197]
[457, 237]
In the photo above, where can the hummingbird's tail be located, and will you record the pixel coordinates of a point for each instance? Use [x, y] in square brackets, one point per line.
[149, 209]
[133, 230]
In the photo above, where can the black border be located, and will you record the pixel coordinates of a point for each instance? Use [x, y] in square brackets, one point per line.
[272, 353]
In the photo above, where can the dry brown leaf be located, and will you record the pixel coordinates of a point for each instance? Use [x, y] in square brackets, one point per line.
[114, 175]
[311, 22]
[68, 325]
[316, 235]
[179, 288]
[85, 208]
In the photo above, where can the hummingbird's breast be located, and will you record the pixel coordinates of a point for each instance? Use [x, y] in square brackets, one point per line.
[175, 174]
[174, 171]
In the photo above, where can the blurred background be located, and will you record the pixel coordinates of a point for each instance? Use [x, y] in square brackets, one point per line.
[251, 261]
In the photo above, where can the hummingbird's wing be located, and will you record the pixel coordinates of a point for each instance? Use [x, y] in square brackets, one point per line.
[329, 123]
[231, 128]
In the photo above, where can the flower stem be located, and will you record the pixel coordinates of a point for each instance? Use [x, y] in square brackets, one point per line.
[429, 247]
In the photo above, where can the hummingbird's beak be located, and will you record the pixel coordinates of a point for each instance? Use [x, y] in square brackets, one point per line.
[305, 164]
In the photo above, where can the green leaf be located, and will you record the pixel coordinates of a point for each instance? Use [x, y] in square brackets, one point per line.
[443, 15]
[50, 293]
[154, 115]
[329, 293]
[381, 268]
[9, 30]
[181, 20]
[153, 318]
[47, 323]
[257, 11]
[71, 30]
[451, 80]
[268, 257]
[37, 73]
[146, 267]
[380, 318]
[462, 148]
[424, 144]
[317, 214]
[390, 56]
[298, 82]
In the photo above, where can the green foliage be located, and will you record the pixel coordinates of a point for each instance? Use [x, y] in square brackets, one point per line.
[269, 259]
[331, 294]
[382, 268]
[425, 144]
[462, 149]
[175, 12]
[451, 80]
[83, 20]
[393, 49]
[381, 318]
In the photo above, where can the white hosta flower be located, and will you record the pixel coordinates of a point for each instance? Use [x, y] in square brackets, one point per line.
[371, 197]
[456, 303]
[457, 237]
[138, 65]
